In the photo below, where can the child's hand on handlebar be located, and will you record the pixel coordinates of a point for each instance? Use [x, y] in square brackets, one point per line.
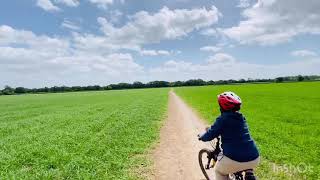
[199, 137]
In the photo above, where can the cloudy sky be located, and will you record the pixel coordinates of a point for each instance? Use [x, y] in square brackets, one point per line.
[87, 42]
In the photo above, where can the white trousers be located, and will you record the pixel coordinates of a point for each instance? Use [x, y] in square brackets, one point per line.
[226, 166]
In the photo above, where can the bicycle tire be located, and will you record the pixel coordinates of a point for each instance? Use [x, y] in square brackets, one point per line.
[202, 166]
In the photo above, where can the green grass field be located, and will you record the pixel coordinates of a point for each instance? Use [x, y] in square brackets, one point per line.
[89, 135]
[284, 119]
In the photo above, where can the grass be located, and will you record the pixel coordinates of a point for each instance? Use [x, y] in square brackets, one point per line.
[89, 135]
[284, 119]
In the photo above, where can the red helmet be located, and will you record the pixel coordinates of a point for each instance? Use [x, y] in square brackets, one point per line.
[229, 101]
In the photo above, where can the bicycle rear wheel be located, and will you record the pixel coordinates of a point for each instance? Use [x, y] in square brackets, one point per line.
[206, 162]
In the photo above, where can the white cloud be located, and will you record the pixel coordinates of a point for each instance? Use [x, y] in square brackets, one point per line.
[303, 53]
[102, 3]
[244, 3]
[149, 52]
[144, 28]
[210, 48]
[114, 64]
[115, 16]
[154, 52]
[70, 25]
[71, 3]
[164, 25]
[93, 44]
[70, 70]
[27, 39]
[221, 58]
[209, 32]
[226, 67]
[19, 56]
[276, 21]
[31, 60]
[106, 27]
[25, 47]
[47, 5]
[163, 52]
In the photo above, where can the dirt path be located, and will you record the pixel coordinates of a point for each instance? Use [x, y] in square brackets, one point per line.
[176, 155]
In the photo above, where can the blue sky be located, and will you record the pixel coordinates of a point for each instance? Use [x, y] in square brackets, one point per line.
[85, 42]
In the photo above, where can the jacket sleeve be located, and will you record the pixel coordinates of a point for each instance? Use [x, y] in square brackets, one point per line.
[214, 131]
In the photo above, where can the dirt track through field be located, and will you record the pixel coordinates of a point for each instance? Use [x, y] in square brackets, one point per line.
[176, 156]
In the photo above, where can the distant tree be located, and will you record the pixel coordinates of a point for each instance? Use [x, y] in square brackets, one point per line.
[250, 80]
[242, 81]
[76, 88]
[314, 77]
[279, 79]
[211, 82]
[20, 90]
[46, 89]
[39, 90]
[64, 89]
[97, 88]
[34, 90]
[125, 85]
[300, 78]
[176, 83]
[8, 90]
[114, 86]
[264, 80]
[121, 86]
[138, 84]
[306, 78]
[55, 89]
[155, 84]
[288, 78]
[195, 82]
[221, 82]
[91, 88]
[107, 87]
[230, 81]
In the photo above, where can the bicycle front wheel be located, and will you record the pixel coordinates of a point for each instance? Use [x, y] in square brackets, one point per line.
[206, 162]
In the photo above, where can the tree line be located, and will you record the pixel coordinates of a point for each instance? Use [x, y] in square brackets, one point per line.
[153, 84]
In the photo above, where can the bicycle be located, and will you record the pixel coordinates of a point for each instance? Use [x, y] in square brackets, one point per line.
[212, 157]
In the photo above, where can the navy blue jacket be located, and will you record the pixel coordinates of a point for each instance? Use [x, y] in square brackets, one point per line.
[237, 143]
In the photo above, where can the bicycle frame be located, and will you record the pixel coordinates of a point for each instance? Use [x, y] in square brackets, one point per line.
[216, 148]
[213, 155]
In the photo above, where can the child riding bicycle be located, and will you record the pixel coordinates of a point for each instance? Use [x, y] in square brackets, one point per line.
[239, 151]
